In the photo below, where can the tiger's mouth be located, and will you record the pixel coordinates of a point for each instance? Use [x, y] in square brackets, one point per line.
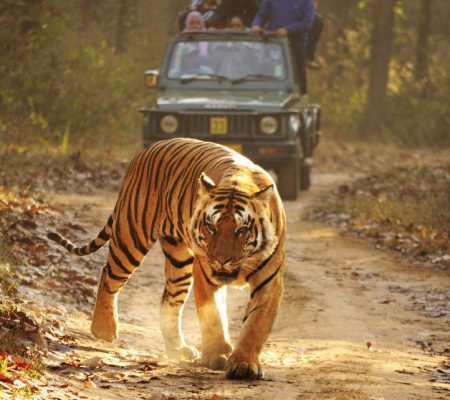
[225, 276]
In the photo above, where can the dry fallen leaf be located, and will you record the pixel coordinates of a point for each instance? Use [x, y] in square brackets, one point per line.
[63, 385]
[7, 379]
[90, 384]
[93, 362]
[113, 376]
[4, 386]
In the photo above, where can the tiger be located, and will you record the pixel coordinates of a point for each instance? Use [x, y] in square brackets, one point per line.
[220, 221]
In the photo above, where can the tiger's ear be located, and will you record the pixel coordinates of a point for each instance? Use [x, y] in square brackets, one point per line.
[205, 184]
[264, 194]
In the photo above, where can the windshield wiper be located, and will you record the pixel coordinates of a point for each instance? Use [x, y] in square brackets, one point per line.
[215, 77]
[254, 76]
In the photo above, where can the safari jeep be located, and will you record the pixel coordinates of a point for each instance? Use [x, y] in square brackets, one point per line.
[239, 90]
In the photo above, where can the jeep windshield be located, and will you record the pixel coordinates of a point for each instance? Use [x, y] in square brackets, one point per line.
[234, 61]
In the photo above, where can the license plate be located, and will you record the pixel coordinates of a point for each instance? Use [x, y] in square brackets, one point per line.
[218, 125]
[236, 147]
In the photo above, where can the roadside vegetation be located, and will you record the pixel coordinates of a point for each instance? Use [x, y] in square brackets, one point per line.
[71, 85]
[28, 327]
[72, 74]
[7, 268]
[400, 200]
[19, 364]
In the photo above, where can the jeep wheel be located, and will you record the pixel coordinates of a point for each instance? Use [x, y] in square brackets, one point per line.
[305, 162]
[305, 177]
[288, 180]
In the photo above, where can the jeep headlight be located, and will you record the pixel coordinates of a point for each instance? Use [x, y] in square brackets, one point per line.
[294, 123]
[169, 124]
[268, 125]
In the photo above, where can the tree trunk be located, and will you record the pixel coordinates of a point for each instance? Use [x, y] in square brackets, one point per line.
[121, 26]
[382, 38]
[86, 6]
[423, 35]
[339, 14]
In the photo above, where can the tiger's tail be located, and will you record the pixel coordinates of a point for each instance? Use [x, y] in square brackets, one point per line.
[96, 244]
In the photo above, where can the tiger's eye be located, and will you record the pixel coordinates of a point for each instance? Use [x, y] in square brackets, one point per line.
[242, 230]
[210, 227]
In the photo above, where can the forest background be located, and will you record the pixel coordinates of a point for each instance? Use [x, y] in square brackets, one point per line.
[71, 72]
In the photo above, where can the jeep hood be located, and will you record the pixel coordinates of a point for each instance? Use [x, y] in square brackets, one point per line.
[224, 99]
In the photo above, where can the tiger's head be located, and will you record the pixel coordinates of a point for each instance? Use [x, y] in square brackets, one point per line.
[231, 225]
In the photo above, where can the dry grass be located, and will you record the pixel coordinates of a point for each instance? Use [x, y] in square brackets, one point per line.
[405, 209]
[12, 341]
[7, 270]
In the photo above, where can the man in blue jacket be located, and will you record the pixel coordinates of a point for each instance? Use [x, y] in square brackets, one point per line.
[288, 18]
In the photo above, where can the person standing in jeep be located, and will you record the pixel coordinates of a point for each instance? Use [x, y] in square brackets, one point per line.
[288, 18]
[245, 9]
[219, 14]
[227, 9]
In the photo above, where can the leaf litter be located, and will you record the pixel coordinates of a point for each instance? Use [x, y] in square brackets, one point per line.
[25, 217]
[404, 209]
[32, 332]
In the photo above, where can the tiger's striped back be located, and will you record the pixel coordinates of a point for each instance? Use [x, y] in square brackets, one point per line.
[167, 169]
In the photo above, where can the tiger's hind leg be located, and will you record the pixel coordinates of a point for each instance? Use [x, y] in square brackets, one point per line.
[125, 255]
[178, 275]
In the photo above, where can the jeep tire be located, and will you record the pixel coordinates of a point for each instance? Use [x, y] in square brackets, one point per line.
[288, 179]
[305, 177]
[307, 139]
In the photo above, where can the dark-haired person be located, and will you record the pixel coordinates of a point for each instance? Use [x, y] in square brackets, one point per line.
[236, 23]
[288, 18]
[227, 9]
[208, 9]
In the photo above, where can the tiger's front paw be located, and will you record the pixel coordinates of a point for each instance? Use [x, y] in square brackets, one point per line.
[214, 361]
[241, 367]
[184, 353]
[215, 356]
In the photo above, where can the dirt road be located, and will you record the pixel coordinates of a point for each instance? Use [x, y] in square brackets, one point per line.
[355, 323]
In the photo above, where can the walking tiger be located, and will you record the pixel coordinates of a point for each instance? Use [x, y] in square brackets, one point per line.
[220, 221]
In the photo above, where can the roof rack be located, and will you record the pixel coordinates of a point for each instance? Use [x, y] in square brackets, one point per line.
[227, 32]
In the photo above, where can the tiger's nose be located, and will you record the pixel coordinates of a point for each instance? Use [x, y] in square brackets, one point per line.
[222, 260]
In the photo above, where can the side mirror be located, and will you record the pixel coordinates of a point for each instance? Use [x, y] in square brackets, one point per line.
[151, 78]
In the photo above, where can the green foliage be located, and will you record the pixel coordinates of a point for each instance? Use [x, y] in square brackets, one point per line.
[340, 87]
[418, 112]
[63, 79]
[71, 72]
